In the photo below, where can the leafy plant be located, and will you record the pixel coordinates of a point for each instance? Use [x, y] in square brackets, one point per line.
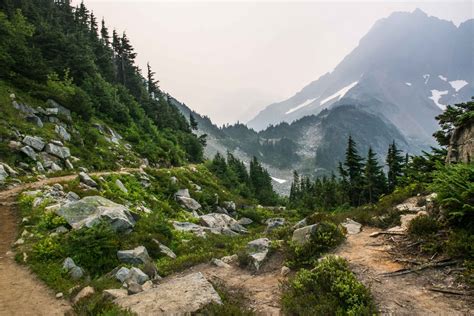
[328, 289]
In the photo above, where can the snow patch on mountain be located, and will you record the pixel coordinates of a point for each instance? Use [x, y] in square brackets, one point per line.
[443, 78]
[458, 84]
[302, 105]
[281, 181]
[436, 96]
[341, 93]
[408, 84]
[426, 77]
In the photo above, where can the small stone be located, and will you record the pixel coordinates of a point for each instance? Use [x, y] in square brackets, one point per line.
[85, 292]
[59, 295]
[19, 242]
[219, 263]
[87, 180]
[230, 259]
[121, 186]
[134, 288]
[122, 274]
[285, 271]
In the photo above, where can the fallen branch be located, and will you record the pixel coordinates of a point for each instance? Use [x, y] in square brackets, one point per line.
[423, 267]
[375, 234]
[407, 261]
[448, 291]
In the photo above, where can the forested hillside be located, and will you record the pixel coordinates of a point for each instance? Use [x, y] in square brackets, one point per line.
[52, 51]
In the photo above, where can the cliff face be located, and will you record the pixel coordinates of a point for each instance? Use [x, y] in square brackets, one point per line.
[461, 148]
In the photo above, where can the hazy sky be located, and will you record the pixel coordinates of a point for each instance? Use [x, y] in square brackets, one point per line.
[228, 60]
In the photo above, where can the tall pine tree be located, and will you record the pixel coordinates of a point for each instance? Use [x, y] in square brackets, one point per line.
[375, 181]
[395, 162]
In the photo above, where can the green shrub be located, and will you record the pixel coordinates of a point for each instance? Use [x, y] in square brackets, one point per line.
[327, 236]
[97, 305]
[328, 289]
[454, 185]
[460, 243]
[48, 248]
[50, 220]
[423, 225]
[94, 249]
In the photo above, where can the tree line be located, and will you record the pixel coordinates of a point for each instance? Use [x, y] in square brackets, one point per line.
[360, 180]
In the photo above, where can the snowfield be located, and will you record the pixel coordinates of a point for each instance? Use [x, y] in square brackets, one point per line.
[436, 96]
[341, 93]
[281, 181]
[458, 84]
[302, 105]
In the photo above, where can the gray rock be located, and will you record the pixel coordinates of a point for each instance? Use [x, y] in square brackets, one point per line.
[61, 230]
[39, 167]
[24, 108]
[258, 251]
[120, 185]
[34, 142]
[303, 235]
[75, 272]
[182, 193]
[85, 292]
[199, 231]
[122, 274]
[86, 179]
[61, 109]
[174, 180]
[68, 264]
[30, 152]
[72, 196]
[221, 210]
[3, 174]
[35, 120]
[301, 223]
[136, 276]
[165, 250]
[68, 164]
[351, 226]
[58, 151]
[223, 223]
[62, 132]
[134, 288]
[55, 167]
[139, 255]
[51, 111]
[284, 271]
[245, 221]
[14, 145]
[219, 263]
[273, 223]
[178, 296]
[93, 209]
[230, 205]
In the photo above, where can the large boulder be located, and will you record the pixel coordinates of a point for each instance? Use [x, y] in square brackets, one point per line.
[139, 255]
[30, 152]
[177, 296]
[62, 132]
[303, 235]
[58, 151]
[351, 226]
[222, 223]
[75, 272]
[62, 111]
[197, 230]
[258, 250]
[183, 198]
[34, 142]
[87, 180]
[93, 209]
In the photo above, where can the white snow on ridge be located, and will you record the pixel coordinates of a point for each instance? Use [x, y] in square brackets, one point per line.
[426, 77]
[436, 95]
[408, 84]
[302, 105]
[458, 84]
[281, 181]
[443, 78]
[340, 93]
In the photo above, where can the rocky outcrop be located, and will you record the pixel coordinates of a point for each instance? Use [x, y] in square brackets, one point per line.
[303, 235]
[258, 250]
[177, 296]
[93, 209]
[183, 198]
[351, 226]
[139, 255]
[273, 223]
[461, 144]
[222, 223]
[87, 180]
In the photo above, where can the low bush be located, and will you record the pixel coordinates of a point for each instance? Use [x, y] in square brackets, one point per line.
[423, 225]
[328, 289]
[327, 236]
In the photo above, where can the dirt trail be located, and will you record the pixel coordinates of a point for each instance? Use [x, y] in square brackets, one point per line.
[398, 295]
[21, 293]
[261, 291]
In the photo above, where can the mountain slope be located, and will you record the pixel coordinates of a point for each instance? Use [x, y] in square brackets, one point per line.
[406, 68]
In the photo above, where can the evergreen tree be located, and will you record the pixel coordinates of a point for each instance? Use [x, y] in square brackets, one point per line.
[374, 178]
[192, 122]
[152, 84]
[93, 26]
[353, 166]
[104, 34]
[261, 183]
[395, 161]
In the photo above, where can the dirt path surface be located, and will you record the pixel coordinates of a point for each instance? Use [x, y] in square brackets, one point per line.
[21, 293]
[397, 295]
[261, 291]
